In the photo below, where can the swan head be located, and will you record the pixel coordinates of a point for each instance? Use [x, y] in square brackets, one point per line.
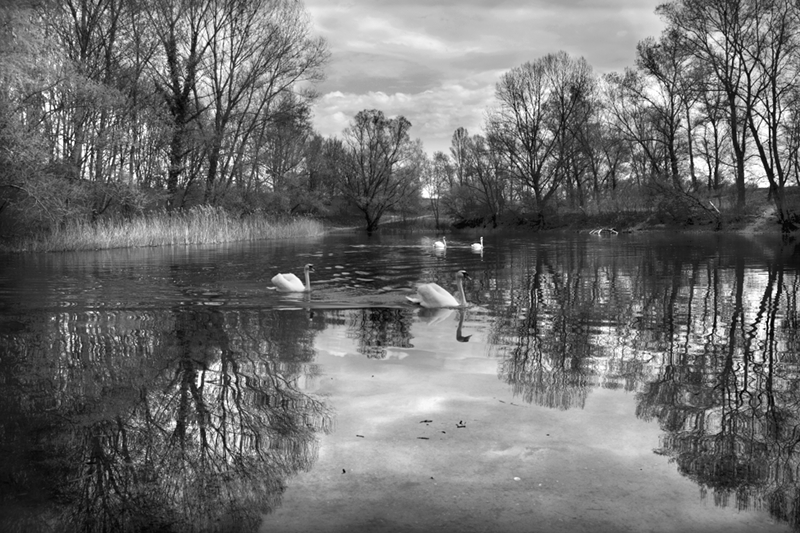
[309, 268]
[461, 275]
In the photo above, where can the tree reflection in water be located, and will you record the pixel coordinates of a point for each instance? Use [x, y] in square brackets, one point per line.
[376, 329]
[189, 421]
[710, 347]
[193, 419]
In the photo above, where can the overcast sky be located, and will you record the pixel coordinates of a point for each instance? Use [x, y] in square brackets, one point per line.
[436, 62]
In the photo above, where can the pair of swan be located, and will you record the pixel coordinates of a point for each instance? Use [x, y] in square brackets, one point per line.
[441, 245]
[429, 295]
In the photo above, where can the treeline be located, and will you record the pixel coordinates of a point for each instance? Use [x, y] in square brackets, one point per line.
[709, 110]
[111, 108]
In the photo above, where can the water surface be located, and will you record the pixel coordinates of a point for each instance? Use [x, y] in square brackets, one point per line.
[627, 383]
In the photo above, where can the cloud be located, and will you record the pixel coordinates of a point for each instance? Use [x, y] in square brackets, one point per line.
[434, 114]
[437, 61]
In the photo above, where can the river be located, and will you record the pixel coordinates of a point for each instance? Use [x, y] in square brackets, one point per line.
[642, 382]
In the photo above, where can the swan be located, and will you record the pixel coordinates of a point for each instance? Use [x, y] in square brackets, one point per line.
[477, 246]
[431, 295]
[440, 244]
[291, 283]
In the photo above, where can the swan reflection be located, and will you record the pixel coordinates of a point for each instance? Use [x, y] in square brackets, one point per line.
[433, 317]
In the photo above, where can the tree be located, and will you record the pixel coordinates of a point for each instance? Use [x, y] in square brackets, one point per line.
[714, 138]
[382, 164]
[458, 151]
[180, 26]
[716, 32]
[633, 120]
[488, 181]
[665, 62]
[774, 50]
[535, 104]
[260, 49]
[437, 177]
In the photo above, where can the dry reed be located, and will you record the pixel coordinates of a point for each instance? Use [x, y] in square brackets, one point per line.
[201, 225]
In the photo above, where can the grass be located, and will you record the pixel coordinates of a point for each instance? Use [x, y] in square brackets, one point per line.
[202, 225]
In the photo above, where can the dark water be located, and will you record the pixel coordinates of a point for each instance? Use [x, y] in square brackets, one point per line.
[628, 383]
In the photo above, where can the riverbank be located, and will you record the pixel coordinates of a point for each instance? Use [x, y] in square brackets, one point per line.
[208, 225]
[758, 217]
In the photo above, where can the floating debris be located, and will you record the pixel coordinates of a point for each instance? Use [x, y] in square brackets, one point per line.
[599, 231]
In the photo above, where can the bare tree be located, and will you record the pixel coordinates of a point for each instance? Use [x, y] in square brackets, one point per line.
[488, 183]
[535, 104]
[458, 152]
[665, 63]
[260, 50]
[382, 165]
[437, 177]
[774, 50]
[181, 27]
[716, 32]
[632, 119]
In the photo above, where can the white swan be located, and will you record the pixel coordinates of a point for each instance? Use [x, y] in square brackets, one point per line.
[477, 246]
[291, 283]
[440, 244]
[431, 295]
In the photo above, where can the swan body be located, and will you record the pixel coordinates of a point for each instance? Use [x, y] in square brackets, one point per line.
[291, 283]
[477, 246]
[440, 244]
[432, 295]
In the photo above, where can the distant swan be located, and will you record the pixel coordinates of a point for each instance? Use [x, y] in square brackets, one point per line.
[440, 244]
[291, 283]
[477, 246]
[431, 295]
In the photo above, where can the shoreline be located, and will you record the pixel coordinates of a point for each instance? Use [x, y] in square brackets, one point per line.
[214, 226]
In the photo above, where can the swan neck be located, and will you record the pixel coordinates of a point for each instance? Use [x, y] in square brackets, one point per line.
[308, 280]
[461, 291]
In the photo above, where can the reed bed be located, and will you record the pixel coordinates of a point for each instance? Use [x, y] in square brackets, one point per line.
[201, 225]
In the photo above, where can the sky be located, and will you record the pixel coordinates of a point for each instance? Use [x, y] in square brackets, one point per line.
[436, 62]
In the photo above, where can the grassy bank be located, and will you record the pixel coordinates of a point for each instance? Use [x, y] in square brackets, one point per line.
[204, 225]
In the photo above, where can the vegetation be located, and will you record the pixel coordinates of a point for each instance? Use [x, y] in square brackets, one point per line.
[115, 113]
[200, 225]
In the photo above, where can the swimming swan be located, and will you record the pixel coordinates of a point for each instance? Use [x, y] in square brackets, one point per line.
[440, 244]
[431, 295]
[291, 283]
[477, 246]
